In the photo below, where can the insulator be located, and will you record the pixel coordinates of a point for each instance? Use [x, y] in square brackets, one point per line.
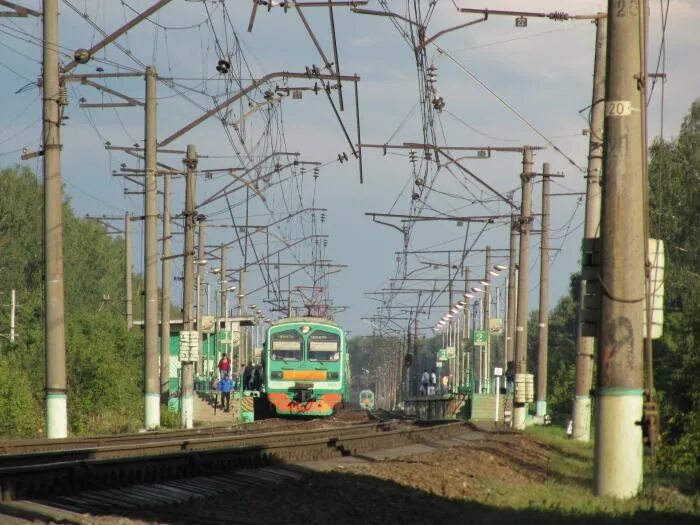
[558, 16]
[223, 66]
[62, 96]
[81, 56]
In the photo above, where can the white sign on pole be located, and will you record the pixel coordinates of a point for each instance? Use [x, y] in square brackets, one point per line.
[498, 371]
[438, 364]
[655, 253]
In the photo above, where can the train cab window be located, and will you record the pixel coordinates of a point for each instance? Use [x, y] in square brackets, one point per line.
[286, 345]
[324, 346]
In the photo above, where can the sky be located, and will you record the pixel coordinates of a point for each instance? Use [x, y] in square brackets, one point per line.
[499, 83]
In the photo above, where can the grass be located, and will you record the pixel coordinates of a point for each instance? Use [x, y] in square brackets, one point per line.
[568, 489]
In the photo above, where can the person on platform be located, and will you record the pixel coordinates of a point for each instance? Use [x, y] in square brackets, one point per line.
[433, 383]
[225, 386]
[214, 387]
[424, 383]
[247, 377]
[224, 365]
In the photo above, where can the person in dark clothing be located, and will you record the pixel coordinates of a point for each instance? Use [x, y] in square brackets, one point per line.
[247, 375]
[257, 377]
[225, 386]
[510, 377]
[214, 387]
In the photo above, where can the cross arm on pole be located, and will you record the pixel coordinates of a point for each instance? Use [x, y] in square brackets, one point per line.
[116, 34]
[18, 10]
[254, 85]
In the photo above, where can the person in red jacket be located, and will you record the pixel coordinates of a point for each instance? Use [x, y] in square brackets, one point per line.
[224, 366]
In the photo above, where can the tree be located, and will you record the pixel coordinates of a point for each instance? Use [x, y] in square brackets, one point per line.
[674, 182]
[104, 363]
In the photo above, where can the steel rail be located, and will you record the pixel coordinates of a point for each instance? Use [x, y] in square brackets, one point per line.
[59, 473]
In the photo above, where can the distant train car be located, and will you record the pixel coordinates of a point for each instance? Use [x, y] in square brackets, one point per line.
[367, 399]
[306, 367]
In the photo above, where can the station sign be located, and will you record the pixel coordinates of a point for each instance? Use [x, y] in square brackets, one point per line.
[479, 338]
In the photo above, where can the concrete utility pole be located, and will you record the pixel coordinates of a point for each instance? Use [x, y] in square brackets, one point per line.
[223, 302]
[585, 345]
[519, 411]
[541, 400]
[13, 306]
[127, 273]
[415, 349]
[54, 321]
[200, 289]
[150, 319]
[241, 291]
[486, 362]
[467, 373]
[165, 296]
[404, 368]
[620, 386]
[187, 387]
[512, 307]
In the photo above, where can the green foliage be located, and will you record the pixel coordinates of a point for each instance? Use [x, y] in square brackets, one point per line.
[368, 355]
[19, 401]
[674, 181]
[104, 363]
[561, 354]
[105, 378]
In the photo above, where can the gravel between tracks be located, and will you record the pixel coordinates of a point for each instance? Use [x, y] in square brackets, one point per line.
[476, 477]
[427, 487]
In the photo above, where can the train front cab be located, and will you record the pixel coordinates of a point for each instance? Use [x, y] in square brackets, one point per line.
[367, 399]
[304, 368]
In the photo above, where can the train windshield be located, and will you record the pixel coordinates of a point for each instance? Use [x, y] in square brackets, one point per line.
[324, 346]
[286, 345]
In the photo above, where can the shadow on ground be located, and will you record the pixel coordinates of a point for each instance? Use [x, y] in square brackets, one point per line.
[339, 498]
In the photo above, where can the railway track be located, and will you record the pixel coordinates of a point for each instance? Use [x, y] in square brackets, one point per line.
[28, 446]
[148, 458]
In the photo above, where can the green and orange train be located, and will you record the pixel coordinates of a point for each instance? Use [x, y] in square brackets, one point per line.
[307, 370]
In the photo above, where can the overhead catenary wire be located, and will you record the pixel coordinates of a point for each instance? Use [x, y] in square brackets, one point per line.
[509, 107]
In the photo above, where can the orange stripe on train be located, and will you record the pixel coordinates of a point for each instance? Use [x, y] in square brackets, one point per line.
[304, 375]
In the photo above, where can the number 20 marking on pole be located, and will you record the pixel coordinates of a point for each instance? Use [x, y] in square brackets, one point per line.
[618, 108]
